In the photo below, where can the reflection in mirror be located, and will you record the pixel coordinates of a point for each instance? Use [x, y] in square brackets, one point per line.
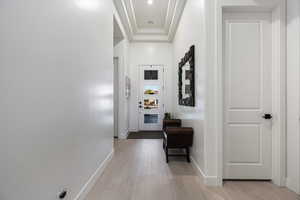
[151, 89]
[186, 92]
[150, 103]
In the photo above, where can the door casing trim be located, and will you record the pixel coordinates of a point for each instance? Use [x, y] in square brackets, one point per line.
[278, 85]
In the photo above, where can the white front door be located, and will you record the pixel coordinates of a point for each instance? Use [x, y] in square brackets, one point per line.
[247, 96]
[151, 105]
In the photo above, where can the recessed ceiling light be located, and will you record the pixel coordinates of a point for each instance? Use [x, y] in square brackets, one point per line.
[150, 2]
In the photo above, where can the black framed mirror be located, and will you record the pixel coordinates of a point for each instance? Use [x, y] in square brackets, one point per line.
[186, 77]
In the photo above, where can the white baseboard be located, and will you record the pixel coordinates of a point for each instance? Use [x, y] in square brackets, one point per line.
[124, 135]
[93, 179]
[293, 185]
[207, 180]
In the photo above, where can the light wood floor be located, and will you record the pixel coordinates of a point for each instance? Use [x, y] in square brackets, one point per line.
[138, 171]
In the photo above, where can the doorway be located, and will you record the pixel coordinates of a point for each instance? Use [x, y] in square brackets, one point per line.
[116, 97]
[151, 102]
[247, 95]
[278, 79]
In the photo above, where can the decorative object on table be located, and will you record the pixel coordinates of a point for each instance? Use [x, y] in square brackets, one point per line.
[186, 83]
[167, 116]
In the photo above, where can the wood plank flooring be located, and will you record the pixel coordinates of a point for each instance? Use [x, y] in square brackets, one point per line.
[138, 171]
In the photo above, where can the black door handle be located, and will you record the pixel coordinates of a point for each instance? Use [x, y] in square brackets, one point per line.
[140, 106]
[267, 116]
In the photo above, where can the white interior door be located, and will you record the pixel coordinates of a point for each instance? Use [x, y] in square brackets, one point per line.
[151, 105]
[247, 96]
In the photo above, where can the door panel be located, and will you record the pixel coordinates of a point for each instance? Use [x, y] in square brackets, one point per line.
[247, 96]
[245, 143]
[151, 105]
[244, 65]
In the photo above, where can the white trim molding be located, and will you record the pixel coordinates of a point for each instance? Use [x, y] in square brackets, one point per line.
[279, 94]
[292, 184]
[124, 135]
[207, 180]
[93, 179]
[127, 14]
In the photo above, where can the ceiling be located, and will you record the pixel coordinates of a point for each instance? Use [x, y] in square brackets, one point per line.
[150, 22]
[118, 35]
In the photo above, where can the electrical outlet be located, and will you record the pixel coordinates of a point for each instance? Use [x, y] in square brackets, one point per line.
[63, 194]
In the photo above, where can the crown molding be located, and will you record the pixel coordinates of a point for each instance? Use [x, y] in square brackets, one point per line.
[126, 11]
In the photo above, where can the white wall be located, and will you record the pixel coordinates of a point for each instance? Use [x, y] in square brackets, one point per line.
[148, 54]
[121, 51]
[191, 32]
[121, 48]
[56, 86]
[293, 92]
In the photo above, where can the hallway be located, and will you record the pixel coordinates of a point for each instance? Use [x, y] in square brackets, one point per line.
[138, 172]
[89, 88]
